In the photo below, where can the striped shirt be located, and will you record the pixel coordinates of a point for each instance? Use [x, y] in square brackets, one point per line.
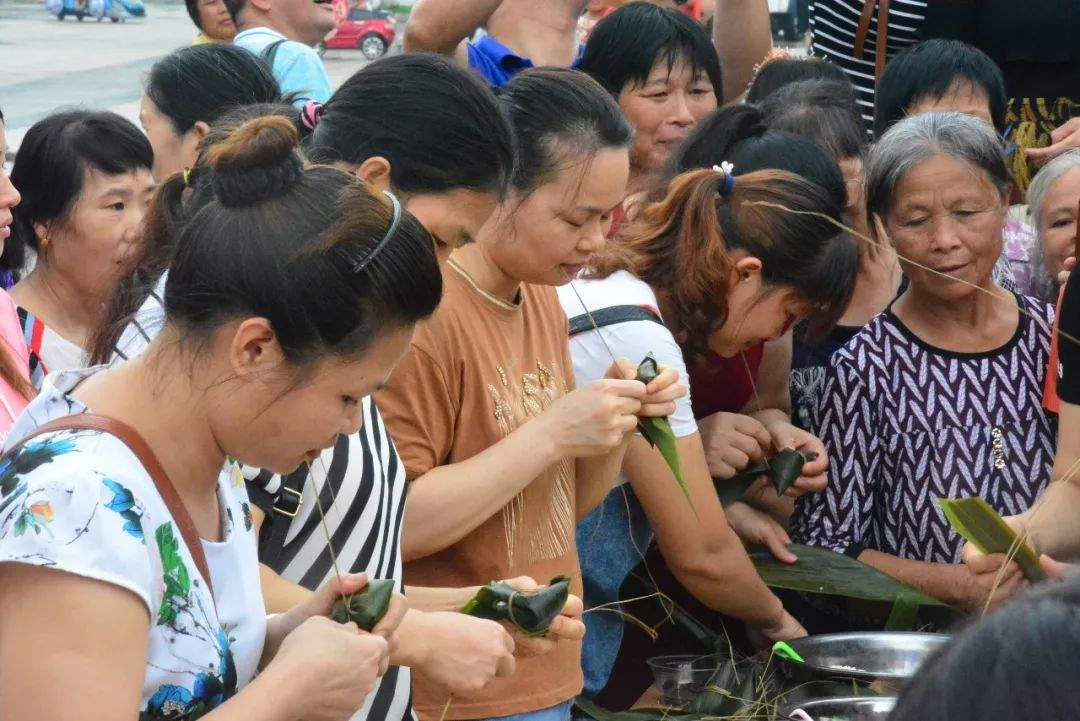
[361, 487]
[833, 25]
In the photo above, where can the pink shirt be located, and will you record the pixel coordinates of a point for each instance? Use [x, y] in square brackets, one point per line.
[14, 345]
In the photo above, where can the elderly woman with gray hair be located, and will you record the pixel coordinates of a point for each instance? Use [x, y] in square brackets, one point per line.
[1052, 199]
[940, 395]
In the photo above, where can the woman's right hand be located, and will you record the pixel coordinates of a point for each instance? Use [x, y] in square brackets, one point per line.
[567, 626]
[784, 628]
[330, 668]
[732, 442]
[594, 419]
[462, 653]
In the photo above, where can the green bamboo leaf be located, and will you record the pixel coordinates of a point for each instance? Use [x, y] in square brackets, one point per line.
[368, 606]
[733, 689]
[786, 467]
[657, 431]
[824, 572]
[904, 614]
[978, 522]
[532, 613]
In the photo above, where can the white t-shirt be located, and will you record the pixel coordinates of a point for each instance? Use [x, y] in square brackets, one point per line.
[81, 502]
[632, 339]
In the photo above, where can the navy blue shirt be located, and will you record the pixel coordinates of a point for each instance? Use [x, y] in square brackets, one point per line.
[498, 63]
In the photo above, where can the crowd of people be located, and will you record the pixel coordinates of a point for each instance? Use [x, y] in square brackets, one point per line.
[285, 339]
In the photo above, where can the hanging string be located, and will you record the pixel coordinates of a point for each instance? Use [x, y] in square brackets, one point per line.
[832, 221]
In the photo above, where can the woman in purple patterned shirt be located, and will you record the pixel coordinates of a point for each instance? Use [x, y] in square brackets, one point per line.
[940, 395]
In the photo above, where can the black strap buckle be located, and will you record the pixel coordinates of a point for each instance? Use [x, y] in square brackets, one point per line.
[288, 502]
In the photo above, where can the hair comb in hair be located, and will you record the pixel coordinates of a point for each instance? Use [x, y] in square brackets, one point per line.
[363, 263]
[728, 171]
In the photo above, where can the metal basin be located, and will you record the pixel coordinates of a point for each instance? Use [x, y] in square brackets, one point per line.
[884, 657]
[845, 709]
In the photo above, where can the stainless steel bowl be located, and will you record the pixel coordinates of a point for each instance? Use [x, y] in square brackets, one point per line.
[870, 656]
[846, 709]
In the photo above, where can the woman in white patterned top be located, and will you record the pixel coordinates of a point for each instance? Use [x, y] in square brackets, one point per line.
[133, 603]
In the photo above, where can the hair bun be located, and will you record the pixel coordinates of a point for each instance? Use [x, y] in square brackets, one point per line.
[256, 162]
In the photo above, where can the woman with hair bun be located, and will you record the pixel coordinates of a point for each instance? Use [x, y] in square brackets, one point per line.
[127, 555]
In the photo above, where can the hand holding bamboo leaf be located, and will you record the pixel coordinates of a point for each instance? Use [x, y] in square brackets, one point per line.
[782, 470]
[367, 607]
[978, 522]
[655, 428]
[592, 420]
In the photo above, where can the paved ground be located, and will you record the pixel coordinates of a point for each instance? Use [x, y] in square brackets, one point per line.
[46, 64]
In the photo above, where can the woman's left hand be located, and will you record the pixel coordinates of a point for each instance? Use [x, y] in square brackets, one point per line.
[567, 626]
[757, 528]
[660, 394]
[815, 477]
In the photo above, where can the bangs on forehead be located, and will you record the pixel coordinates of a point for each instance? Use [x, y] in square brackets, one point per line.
[677, 53]
[627, 45]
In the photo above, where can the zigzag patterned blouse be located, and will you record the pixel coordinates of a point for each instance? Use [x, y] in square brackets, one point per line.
[906, 423]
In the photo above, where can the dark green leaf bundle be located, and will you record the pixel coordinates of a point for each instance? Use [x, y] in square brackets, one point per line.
[657, 431]
[532, 613]
[366, 607]
[783, 470]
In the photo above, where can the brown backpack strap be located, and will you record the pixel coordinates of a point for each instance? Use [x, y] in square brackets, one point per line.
[135, 443]
[863, 31]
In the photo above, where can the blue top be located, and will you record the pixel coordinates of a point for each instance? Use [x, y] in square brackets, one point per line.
[611, 542]
[498, 63]
[297, 67]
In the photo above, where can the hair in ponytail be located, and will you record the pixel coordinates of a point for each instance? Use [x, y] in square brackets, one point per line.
[439, 126]
[681, 246]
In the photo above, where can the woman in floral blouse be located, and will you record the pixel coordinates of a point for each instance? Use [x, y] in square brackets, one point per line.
[294, 293]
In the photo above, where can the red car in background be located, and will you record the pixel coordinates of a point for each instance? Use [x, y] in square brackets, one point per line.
[370, 31]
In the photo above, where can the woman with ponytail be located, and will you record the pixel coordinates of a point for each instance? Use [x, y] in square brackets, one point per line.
[742, 402]
[127, 555]
[712, 267]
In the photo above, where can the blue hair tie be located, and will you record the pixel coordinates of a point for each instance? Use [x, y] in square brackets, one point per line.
[361, 264]
[727, 170]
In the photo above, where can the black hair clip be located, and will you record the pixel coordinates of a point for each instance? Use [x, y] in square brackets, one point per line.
[361, 264]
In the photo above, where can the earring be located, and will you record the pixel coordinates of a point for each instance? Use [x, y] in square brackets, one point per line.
[43, 242]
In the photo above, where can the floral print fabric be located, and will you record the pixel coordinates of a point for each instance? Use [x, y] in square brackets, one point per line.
[80, 502]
